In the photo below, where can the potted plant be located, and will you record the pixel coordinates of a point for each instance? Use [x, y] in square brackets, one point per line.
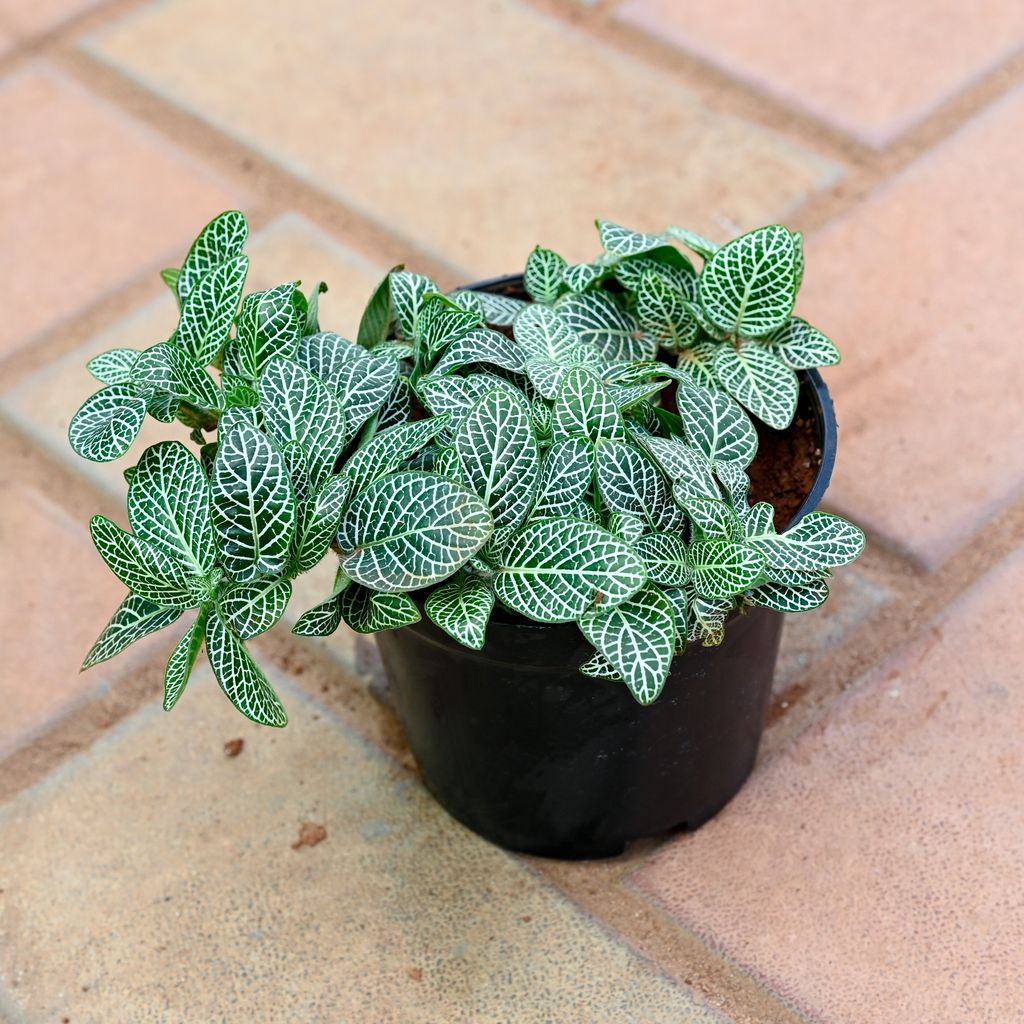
[537, 491]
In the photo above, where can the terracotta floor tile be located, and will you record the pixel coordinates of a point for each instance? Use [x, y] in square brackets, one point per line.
[870, 873]
[476, 130]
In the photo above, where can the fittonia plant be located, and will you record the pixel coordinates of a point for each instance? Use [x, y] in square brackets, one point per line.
[475, 448]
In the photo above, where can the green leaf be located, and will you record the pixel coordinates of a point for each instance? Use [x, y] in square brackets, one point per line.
[142, 569]
[313, 307]
[319, 521]
[297, 463]
[798, 260]
[469, 301]
[208, 311]
[566, 475]
[708, 620]
[321, 620]
[544, 334]
[619, 242]
[687, 467]
[397, 407]
[499, 310]
[722, 569]
[409, 530]
[299, 407]
[325, 352]
[113, 367]
[169, 276]
[717, 425]
[500, 459]
[759, 381]
[736, 483]
[389, 449]
[252, 608]
[680, 604]
[665, 262]
[542, 278]
[455, 396]
[638, 639]
[167, 369]
[713, 519]
[820, 540]
[664, 557]
[554, 570]
[169, 506]
[440, 321]
[583, 408]
[782, 598]
[580, 276]
[367, 611]
[598, 320]
[462, 608]
[697, 361]
[629, 482]
[221, 239]
[702, 246]
[239, 676]
[407, 292]
[135, 618]
[802, 346]
[629, 528]
[269, 325]
[363, 386]
[254, 509]
[375, 323]
[599, 667]
[662, 313]
[481, 345]
[182, 659]
[759, 521]
[747, 286]
[163, 406]
[105, 426]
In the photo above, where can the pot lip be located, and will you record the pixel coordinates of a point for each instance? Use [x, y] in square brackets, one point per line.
[821, 402]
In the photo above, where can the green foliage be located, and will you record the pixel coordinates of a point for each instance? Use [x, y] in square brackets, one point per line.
[466, 451]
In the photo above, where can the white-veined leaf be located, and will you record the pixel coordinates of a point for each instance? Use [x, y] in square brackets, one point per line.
[759, 381]
[638, 638]
[747, 287]
[367, 611]
[545, 335]
[759, 522]
[662, 313]
[688, 468]
[113, 367]
[221, 239]
[319, 519]
[598, 320]
[239, 676]
[297, 406]
[209, 309]
[323, 619]
[183, 658]
[583, 408]
[375, 323]
[270, 324]
[135, 618]
[469, 301]
[566, 475]
[736, 484]
[782, 598]
[252, 608]
[105, 426]
[409, 530]
[702, 246]
[713, 519]
[397, 407]
[462, 608]
[679, 602]
[455, 396]
[629, 528]
[630, 482]
[407, 291]
[664, 557]
[619, 242]
[499, 310]
[697, 361]
[541, 420]
[580, 276]
[254, 509]
[169, 369]
[717, 425]
[363, 387]
[325, 352]
[798, 259]
[311, 323]
[169, 506]
[707, 620]
[389, 449]
[142, 569]
[554, 570]
[481, 345]
[820, 540]
[597, 666]
[677, 274]
[163, 406]
[441, 321]
[626, 396]
[296, 461]
[500, 459]
[542, 277]
[802, 346]
[722, 568]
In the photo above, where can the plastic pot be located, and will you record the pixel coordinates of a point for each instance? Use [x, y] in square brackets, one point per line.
[519, 746]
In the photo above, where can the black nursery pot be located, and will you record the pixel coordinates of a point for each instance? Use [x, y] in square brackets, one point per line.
[519, 746]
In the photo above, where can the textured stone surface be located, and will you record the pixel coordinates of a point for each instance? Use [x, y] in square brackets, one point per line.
[870, 873]
[290, 248]
[88, 198]
[56, 598]
[921, 287]
[872, 69]
[25, 18]
[154, 879]
[488, 127]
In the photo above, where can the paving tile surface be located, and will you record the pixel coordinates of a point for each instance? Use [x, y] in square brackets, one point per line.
[56, 598]
[870, 872]
[874, 68]
[88, 198]
[919, 286]
[154, 880]
[25, 19]
[477, 130]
